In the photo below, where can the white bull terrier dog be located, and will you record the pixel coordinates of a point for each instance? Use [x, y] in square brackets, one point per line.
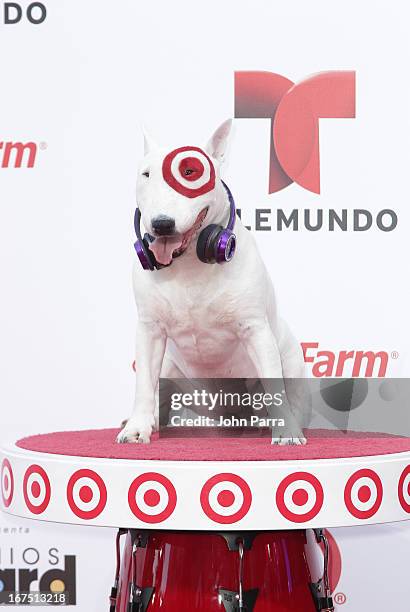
[198, 320]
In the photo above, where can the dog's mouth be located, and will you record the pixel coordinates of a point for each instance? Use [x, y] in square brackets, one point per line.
[166, 248]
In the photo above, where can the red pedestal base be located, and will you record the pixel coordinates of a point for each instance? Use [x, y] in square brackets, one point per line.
[198, 571]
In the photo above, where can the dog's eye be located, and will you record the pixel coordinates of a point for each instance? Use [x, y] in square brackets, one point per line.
[146, 173]
[188, 171]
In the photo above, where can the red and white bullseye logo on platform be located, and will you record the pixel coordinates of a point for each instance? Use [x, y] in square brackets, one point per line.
[189, 171]
[36, 489]
[226, 498]
[86, 494]
[152, 497]
[299, 497]
[404, 489]
[7, 483]
[363, 494]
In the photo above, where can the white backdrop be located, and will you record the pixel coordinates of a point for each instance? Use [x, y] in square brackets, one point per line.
[79, 86]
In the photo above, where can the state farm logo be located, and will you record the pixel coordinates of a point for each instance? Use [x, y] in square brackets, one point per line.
[325, 363]
[19, 154]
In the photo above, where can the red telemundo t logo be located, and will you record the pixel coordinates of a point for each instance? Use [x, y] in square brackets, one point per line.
[294, 110]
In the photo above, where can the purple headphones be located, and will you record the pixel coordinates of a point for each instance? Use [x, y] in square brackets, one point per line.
[215, 244]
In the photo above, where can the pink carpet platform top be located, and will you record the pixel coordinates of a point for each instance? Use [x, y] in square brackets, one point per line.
[322, 444]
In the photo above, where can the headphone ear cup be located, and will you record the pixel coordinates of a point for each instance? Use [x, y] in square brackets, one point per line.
[207, 242]
[225, 246]
[145, 255]
[147, 241]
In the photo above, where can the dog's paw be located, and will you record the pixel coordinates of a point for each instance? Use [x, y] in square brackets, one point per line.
[137, 431]
[128, 435]
[294, 441]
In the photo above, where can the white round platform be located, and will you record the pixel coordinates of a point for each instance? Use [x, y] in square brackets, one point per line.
[205, 495]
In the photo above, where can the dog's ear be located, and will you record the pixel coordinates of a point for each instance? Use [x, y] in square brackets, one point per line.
[216, 146]
[149, 143]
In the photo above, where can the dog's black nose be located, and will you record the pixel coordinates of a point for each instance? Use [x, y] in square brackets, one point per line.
[163, 225]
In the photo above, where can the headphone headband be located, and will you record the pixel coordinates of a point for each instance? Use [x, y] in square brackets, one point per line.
[232, 208]
[137, 223]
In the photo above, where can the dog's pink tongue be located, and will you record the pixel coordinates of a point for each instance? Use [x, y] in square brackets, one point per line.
[163, 247]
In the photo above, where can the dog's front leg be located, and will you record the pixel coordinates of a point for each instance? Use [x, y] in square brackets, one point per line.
[263, 350]
[150, 349]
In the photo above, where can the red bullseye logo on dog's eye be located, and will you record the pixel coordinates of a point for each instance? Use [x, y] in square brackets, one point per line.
[189, 171]
[191, 168]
